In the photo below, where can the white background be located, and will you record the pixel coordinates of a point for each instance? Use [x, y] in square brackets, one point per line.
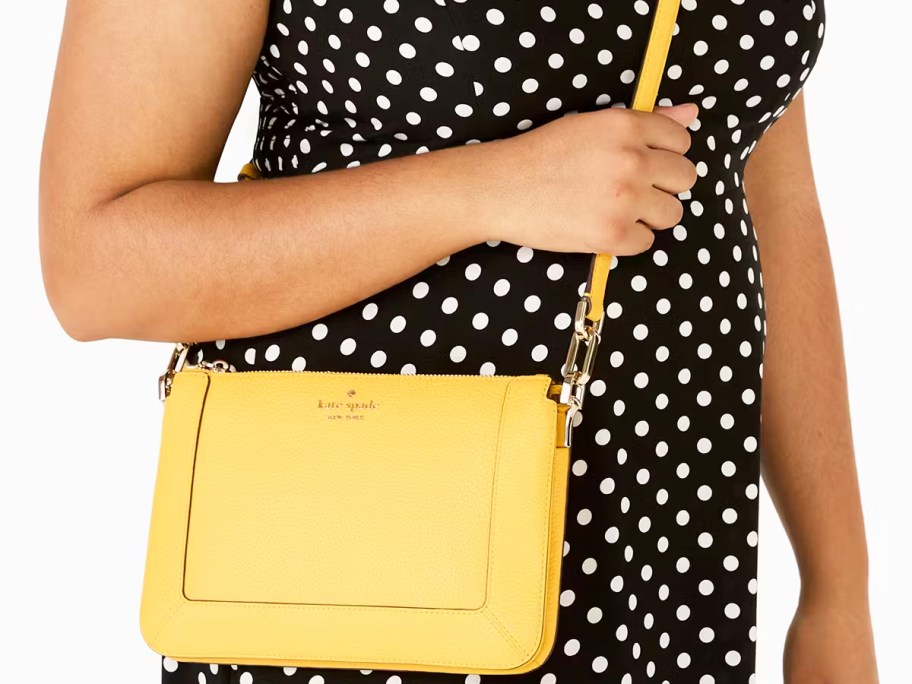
[81, 421]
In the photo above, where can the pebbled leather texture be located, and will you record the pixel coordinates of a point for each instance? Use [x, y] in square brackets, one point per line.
[310, 518]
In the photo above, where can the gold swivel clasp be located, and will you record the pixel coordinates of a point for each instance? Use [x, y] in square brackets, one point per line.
[580, 362]
[178, 357]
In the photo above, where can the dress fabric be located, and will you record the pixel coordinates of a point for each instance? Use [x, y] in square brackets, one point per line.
[659, 575]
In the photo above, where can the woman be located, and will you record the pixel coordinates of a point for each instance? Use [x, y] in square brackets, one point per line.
[433, 207]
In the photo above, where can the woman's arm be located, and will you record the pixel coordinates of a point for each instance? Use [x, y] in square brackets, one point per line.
[808, 461]
[138, 242]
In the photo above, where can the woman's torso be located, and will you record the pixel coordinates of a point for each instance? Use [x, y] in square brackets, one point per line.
[344, 84]
[659, 573]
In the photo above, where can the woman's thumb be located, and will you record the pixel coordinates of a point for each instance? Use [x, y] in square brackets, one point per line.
[685, 113]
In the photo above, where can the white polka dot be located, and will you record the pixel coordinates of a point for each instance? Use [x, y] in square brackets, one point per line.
[369, 311]
[397, 324]
[348, 346]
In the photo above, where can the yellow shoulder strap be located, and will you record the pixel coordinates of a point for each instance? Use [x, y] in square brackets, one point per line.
[647, 87]
[248, 172]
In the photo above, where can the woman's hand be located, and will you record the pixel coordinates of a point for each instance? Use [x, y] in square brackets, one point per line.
[596, 182]
[830, 641]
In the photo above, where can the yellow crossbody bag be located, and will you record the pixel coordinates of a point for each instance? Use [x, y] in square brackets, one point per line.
[369, 520]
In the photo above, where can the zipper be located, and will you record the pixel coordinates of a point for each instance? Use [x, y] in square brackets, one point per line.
[177, 364]
[217, 366]
[553, 391]
[221, 366]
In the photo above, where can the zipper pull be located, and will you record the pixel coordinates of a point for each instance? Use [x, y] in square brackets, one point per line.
[217, 366]
[178, 360]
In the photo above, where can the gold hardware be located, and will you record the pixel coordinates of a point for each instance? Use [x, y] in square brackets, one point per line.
[217, 366]
[576, 375]
[178, 357]
[178, 360]
[569, 393]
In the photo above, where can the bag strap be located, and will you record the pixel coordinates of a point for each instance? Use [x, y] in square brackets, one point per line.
[647, 87]
[590, 310]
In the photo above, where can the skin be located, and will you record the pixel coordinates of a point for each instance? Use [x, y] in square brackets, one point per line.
[138, 242]
[809, 464]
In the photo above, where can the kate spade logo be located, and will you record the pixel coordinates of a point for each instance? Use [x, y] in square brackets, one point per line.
[347, 409]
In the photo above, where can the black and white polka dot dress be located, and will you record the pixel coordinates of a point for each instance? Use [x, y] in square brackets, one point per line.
[659, 577]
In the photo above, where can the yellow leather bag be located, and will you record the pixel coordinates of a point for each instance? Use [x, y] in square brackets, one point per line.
[344, 520]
